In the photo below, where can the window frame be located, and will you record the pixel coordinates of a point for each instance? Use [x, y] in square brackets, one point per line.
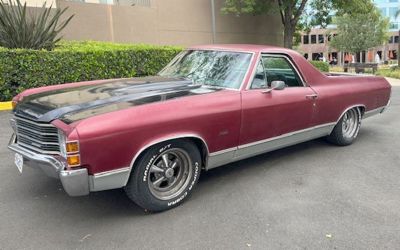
[259, 62]
[308, 39]
[321, 37]
[287, 58]
[315, 40]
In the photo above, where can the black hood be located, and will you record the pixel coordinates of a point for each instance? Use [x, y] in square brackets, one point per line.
[76, 103]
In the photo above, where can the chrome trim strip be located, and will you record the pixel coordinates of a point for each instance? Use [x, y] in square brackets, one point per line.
[179, 136]
[282, 141]
[286, 135]
[223, 157]
[37, 141]
[40, 133]
[275, 55]
[351, 107]
[109, 179]
[220, 158]
[39, 150]
[111, 172]
[223, 151]
[35, 123]
[373, 112]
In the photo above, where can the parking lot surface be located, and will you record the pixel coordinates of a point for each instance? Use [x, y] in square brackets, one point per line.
[310, 196]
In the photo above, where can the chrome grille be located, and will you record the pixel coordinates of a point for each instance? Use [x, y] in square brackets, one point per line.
[38, 137]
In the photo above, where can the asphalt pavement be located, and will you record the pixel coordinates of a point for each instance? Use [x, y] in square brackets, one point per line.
[310, 196]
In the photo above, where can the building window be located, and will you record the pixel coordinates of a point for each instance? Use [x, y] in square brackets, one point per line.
[383, 11]
[313, 39]
[306, 39]
[317, 56]
[396, 39]
[394, 26]
[392, 54]
[321, 39]
[392, 12]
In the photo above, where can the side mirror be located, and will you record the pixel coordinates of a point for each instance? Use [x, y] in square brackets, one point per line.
[275, 85]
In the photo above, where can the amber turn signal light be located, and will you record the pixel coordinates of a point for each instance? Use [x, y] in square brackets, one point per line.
[14, 104]
[73, 160]
[72, 147]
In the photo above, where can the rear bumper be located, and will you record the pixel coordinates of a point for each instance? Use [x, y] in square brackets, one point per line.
[75, 182]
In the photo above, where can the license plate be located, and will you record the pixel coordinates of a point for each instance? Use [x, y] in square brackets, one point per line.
[19, 162]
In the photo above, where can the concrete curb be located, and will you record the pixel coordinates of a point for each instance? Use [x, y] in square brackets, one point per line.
[5, 106]
[393, 81]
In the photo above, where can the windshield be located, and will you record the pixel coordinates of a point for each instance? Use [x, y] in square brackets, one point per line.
[211, 68]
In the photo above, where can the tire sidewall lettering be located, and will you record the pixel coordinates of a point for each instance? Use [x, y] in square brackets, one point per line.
[192, 183]
[151, 161]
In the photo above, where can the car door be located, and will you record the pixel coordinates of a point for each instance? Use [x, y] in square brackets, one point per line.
[270, 117]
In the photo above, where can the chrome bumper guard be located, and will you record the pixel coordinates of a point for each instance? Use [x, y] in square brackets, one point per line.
[75, 182]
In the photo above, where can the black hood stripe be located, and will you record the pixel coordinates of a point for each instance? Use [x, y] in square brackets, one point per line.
[99, 98]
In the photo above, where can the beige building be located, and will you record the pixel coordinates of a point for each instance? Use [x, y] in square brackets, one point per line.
[172, 22]
[315, 46]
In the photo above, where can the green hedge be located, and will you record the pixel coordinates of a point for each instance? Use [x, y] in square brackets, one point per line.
[322, 66]
[393, 73]
[78, 61]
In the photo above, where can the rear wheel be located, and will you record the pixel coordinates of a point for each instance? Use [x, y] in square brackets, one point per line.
[164, 175]
[346, 130]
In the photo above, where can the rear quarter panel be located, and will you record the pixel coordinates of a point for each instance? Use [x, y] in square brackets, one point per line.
[338, 93]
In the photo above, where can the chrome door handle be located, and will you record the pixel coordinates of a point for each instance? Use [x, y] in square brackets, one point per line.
[312, 96]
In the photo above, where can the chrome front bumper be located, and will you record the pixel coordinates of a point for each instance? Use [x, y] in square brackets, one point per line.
[75, 182]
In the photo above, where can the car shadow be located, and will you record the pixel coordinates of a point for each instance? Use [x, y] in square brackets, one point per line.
[114, 204]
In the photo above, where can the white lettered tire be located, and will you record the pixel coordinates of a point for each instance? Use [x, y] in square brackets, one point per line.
[164, 175]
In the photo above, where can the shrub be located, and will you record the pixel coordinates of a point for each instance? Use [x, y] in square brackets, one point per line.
[393, 73]
[20, 28]
[322, 66]
[21, 69]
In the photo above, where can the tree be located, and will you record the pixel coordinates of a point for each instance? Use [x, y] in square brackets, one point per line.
[293, 12]
[361, 31]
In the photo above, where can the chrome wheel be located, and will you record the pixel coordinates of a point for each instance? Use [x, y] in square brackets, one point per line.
[351, 123]
[170, 174]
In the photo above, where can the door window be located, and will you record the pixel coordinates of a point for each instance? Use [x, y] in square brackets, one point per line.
[275, 68]
[278, 68]
[259, 80]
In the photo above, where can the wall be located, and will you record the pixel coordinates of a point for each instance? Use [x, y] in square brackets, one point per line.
[35, 3]
[175, 22]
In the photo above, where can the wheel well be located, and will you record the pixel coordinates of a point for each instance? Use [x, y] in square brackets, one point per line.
[360, 107]
[199, 143]
[362, 110]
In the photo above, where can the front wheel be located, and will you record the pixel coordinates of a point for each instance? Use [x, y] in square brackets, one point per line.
[164, 175]
[346, 130]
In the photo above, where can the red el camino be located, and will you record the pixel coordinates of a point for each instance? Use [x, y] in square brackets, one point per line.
[211, 105]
